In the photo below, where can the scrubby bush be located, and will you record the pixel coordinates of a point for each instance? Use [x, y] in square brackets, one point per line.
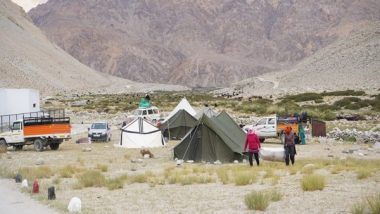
[68, 171]
[257, 201]
[102, 167]
[304, 97]
[344, 93]
[91, 178]
[32, 173]
[313, 182]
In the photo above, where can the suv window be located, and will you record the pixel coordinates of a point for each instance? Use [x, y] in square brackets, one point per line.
[98, 126]
[150, 111]
[155, 111]
[144, 112]
[262, 121]
[271, 121]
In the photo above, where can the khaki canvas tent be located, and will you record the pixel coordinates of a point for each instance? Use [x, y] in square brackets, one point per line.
[212, 139]
[179, 121]
[141, 134]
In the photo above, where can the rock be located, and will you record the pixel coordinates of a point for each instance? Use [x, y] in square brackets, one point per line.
[376, 145]
[179, 162]
[236, 161]
[244, 161]
[345, 151]
[24, 183]
[190, 161]
[87, 149]
[75, 205]
[327, 149]
[139, 160]
[217, 162]
[146, 156]
[40, 161]
[330, 156]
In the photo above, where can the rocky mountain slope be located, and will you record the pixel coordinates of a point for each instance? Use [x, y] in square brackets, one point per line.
[29, 60]
[198, 42]
[352, 62]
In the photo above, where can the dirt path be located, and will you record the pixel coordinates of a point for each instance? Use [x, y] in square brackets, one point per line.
[12, 201]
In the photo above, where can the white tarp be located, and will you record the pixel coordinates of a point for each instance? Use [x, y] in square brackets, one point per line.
[185, 105]
[140, 134]
[272, 153]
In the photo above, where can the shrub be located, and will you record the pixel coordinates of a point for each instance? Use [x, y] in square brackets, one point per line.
[68, 171]
[257, 201]
[223, 176]
[313, 182]
[101, 167]
[32, 173]
[6, 173]
[344, 93]
[91, 178]
[116, 183]
[304, 97]
[274, 195]
[374, 203]
[363, 173]
[244, 178]
[358, 208]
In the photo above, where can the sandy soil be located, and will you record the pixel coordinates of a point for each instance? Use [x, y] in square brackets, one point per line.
[341, 191]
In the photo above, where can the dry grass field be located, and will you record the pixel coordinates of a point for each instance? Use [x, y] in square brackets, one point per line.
[114, 180]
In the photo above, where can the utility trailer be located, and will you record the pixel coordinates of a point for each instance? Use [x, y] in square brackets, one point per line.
[48, 128]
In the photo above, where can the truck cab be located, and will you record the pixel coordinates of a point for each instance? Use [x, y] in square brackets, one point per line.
[100, 131]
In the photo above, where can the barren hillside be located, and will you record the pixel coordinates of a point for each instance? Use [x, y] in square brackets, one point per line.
[197, 42]
[352, 62]
[29, 60]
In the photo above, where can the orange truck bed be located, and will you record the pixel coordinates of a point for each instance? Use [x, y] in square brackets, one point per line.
[53, 127]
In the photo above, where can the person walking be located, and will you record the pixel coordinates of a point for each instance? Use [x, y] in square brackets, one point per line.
[252, 142]
[289, 145]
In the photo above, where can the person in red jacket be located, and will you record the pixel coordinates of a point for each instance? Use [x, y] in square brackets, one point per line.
[253, 144]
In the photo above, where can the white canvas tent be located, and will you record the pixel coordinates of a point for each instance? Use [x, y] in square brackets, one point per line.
[141, 134]
[16, 101]
[183, 105]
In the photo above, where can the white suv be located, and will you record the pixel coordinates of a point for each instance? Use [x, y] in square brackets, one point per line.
[151, 113]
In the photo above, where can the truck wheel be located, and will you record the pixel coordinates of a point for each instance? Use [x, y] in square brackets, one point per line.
[38, 145]
[3, 146]
[18, 147]
[54, 146]
[262, 139]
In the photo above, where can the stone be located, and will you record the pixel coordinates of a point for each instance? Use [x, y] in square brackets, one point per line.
[146, 156]
[87, 149]
[179, 162]
[40, 161]
[75, 205]
[236, 161]
[345, 151]
[189, 161]
[217, 162]
[330, 156]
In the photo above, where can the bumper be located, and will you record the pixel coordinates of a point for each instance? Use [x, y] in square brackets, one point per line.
[95, 137]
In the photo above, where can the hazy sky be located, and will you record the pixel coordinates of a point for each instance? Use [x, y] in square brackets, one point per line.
[29, 4]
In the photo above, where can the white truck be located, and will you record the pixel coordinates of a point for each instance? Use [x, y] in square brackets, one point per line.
[273, 126]
[41, 131]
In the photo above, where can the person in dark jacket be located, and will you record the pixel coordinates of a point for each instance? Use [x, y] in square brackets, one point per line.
[289, 145]
[252, 142]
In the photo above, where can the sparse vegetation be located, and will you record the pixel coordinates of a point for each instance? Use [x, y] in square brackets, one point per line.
[68, 171]
[32, 173]
[260, 200]
[102, 167]
[370, 204]
[313, 182]
[91, 178]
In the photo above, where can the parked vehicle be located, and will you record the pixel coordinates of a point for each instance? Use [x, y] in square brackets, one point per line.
[41, 131]
[274, 126]
[100, 131]
[150, 113]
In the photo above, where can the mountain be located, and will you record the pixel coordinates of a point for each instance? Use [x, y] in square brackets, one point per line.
[351, 62]
[211, 43]
[29, 60]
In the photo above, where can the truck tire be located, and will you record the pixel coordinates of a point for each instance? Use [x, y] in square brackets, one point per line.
[54, 146]
[38, 145]
[262, 139]
[18, 147]
[3, 146]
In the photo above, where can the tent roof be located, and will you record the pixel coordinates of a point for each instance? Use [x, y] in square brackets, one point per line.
[180, 118]
[207, 111]
[183, 104]
[140, 125]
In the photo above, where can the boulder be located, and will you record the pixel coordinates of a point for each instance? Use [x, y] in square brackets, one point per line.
[75, 205]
